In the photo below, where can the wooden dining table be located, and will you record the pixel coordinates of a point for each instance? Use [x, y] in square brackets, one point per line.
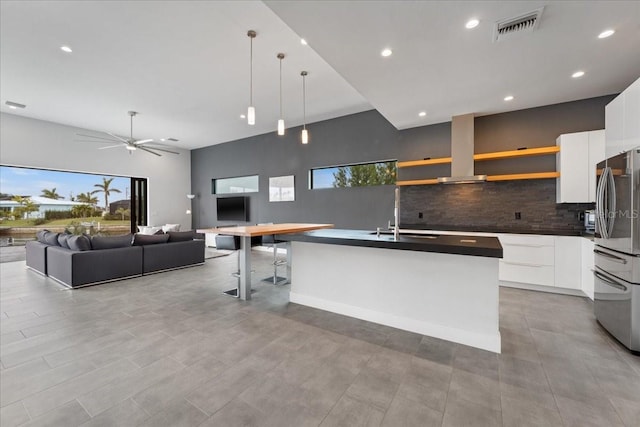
[249, 231]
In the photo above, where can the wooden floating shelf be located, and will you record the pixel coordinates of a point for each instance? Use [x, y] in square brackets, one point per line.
[540, 151]
[509, 177]
[436, 161]
[418, 182]
[516, 176]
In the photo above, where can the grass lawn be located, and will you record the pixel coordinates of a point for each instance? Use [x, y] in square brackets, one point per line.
[29, 222]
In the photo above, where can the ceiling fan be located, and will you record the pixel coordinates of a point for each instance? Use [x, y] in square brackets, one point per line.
[130, 143]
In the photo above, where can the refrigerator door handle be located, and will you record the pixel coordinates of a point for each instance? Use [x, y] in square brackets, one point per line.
[600, 208]
[610, 256]
[609, 282]
[612, 202]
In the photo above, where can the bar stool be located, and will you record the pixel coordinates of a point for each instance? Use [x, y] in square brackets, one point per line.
[230, 243]
[270, 240]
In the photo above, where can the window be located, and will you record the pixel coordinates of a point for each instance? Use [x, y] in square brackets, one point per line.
[356, 175]
[239, 184]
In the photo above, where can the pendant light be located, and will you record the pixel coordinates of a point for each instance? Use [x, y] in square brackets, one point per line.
[281, 120]
[305, 133]
[251, 111]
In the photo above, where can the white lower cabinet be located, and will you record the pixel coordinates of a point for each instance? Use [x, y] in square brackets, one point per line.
[527, 259]
[547, 263]
[587, 267]
[568, 262]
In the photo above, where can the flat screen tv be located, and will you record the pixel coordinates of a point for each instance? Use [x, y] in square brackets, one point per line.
[233, 208]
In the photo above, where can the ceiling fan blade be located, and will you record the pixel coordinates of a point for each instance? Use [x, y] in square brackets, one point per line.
[112, 146]
[109, 141]
[93, 136]
[143, 141]
[119, 138]
[162, 149]
[149, 151]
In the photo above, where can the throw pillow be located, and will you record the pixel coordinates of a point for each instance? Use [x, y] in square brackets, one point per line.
[170, 227]
[111, 242]
[62, 240]
[40, 236]
[147, 230]
[79, 243]
[145, 239]
[51, 238]
[181, 236]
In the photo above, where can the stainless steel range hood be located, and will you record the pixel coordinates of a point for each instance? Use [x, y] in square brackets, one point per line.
[462, 142]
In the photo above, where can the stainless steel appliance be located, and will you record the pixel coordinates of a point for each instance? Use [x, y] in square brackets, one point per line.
[617, 250]
[590, 221]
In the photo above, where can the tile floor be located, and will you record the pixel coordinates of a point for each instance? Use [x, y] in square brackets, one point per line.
[170, 350]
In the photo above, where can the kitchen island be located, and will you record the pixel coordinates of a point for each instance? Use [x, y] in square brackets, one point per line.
[442, 286]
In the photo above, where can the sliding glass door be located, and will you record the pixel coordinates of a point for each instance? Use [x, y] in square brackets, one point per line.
[139, 196]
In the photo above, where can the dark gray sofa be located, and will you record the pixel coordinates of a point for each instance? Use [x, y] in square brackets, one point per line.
[37, 256]
[171, 255]
[81, 268]
[104, 262]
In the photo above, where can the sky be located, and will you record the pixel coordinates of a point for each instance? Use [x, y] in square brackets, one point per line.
[31, 182]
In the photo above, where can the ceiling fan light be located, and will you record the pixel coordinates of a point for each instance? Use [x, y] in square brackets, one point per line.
[251, 115]
[131, 147]
[281, 127]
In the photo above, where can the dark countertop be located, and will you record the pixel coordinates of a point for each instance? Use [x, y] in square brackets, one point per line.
[494, 229]
[449, 244]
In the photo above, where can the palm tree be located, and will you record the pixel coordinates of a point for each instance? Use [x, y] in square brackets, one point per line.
[87, 198]
[104, 188]
[122, 212]
[26, 206]
[50, 194]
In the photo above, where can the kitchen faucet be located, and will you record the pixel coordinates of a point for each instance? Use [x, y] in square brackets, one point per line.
[396, 212]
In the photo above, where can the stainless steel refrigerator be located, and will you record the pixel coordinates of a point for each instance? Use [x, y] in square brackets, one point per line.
[617, 250]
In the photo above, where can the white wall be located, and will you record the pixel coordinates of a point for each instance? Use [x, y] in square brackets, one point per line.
[39, 144]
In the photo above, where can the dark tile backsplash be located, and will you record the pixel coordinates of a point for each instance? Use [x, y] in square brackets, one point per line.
[491, 205]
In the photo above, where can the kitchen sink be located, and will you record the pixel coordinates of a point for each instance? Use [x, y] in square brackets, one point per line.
[411, 235]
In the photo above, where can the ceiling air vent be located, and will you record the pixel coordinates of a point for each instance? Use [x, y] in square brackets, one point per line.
[525, 23]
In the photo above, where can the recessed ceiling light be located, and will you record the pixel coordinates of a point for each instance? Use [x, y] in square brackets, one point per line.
[508, 98]
[577, 74]
[605, 34]
[386, 52]
[162, 139]
[303, 41]
[422, 113]
[66, 49]
[242, 116]
[15, 105]
[472, 23]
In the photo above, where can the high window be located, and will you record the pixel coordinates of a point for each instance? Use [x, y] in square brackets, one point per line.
[354, 175]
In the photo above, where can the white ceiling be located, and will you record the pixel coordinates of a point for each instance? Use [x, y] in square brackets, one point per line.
[185, 65]
[440, 67]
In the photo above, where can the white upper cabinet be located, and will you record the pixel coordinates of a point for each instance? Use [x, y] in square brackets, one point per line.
[596, 155]
[576, 162]
[631, 133]
[622, 121]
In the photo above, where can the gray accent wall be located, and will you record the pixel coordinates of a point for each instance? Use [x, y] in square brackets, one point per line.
[368, 136]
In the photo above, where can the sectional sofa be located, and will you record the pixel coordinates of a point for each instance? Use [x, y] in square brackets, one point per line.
[77, 261]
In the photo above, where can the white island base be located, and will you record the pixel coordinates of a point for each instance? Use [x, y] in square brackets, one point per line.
[452, 297]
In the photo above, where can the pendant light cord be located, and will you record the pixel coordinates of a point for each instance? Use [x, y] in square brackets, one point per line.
[251, 72]
[280, 87]
[304, 101]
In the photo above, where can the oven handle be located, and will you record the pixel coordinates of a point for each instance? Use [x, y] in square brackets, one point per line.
[609, 282]
[610, 256]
